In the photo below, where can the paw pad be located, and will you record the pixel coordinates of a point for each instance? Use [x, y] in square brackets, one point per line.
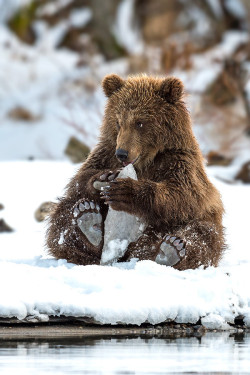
[172, 250]
[89, 220]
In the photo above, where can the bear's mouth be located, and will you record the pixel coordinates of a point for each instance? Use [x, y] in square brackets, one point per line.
[125, 163]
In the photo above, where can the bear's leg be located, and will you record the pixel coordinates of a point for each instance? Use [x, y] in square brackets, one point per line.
[203, 243]
[163, 249]
[196, 244]
[146, 247]
[76, 231]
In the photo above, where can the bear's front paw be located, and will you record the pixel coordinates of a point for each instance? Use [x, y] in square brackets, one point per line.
[120, 194]
[103, 180]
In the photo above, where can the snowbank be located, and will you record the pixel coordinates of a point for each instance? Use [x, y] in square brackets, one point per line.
[35, 286]
[63, 99]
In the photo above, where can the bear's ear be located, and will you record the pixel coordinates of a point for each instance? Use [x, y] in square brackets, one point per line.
[112, 83]
[171, 89]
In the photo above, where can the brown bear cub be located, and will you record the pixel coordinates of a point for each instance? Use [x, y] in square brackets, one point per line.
[146, 123]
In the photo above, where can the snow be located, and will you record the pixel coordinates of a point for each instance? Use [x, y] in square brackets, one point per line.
[215, 7]
[53, 7]
[65, 99]
[50, 37]
[236, 8]
[7, 10]
[80, 17]
[36, 286]
[125, 30]
[114, 250]
[48, 83]
[208, 65]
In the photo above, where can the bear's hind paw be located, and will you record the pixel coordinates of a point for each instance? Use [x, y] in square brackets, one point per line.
[171, 251]
[89, 220]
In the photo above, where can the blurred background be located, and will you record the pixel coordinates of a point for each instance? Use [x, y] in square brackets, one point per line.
[54, 54]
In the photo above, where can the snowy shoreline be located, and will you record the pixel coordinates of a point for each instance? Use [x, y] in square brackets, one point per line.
[36, 286]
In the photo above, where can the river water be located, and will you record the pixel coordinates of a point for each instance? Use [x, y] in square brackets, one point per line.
[212, 353]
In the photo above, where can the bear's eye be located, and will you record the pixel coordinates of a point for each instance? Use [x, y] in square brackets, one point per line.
[139, 124]
[117, 125]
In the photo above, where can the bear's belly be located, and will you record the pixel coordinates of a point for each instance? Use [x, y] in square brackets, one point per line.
[120, 228]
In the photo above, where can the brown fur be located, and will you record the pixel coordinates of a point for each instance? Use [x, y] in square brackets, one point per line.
[147, 117]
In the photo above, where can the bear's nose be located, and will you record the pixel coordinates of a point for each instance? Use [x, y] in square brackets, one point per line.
[121, 154]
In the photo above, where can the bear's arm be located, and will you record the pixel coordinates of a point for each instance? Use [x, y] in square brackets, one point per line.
[101, 159]
[166, 202]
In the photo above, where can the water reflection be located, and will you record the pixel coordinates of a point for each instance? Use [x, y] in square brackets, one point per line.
[212, 353]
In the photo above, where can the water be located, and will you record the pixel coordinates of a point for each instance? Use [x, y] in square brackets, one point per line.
[213, 353]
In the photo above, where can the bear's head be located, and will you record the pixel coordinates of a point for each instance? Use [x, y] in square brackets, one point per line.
[145, 116]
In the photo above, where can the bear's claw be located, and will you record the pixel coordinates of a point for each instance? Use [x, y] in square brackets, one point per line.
[110, 176]
[104, 180]
[172, 250]
[89, 220]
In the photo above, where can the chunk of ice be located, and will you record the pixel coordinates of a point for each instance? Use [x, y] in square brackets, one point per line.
[121, 228]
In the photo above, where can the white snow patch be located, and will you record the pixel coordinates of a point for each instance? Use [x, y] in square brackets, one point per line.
[216, 7]
[80, 17]
[208, 65]
[115, 249]
[61, 239]
[125, 30]
[8, 8]
[37, 286]
[48, 83]
[236, 8]
[214, 321]
[53, 7]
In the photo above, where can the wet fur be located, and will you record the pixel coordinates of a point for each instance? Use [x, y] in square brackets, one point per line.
[173, 193]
